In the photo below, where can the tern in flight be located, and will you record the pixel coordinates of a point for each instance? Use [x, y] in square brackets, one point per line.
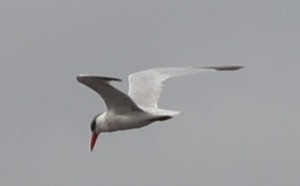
[139, 107]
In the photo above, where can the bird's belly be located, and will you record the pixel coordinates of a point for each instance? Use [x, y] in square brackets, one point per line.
[124, 122]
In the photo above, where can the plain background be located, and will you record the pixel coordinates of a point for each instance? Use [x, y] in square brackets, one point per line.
[237, 128]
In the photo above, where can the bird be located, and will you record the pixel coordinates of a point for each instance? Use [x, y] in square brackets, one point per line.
[139, 107]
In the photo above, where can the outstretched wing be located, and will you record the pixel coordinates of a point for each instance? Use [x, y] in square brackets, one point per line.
[145, 87]
[114, 99]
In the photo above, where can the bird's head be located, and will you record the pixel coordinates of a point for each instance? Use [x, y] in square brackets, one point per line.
[95, 129]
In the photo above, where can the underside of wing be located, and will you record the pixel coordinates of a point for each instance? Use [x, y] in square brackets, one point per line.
[145, 87]
[114, 99]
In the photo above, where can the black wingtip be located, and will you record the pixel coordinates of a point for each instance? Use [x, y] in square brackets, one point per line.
[229, 68]
[225, 68]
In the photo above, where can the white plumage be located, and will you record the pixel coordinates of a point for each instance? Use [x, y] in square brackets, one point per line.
[140, 107]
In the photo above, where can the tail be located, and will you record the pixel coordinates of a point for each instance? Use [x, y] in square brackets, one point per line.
[161, 118]
[160, 111]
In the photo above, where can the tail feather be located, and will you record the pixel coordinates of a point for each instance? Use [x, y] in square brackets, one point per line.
[160, 118]
[163, 118]
[160, 111]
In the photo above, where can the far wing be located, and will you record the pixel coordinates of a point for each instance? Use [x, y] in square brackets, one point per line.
[145, 87]
[114, 99]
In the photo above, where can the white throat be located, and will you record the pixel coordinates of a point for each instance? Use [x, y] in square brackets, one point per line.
[101, 121]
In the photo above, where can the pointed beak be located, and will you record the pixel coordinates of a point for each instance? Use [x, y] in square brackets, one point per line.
[93, 140]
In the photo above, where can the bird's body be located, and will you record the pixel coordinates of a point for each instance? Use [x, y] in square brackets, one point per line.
[110, 121]
[140, 107]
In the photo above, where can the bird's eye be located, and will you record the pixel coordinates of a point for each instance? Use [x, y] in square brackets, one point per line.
[93, 125]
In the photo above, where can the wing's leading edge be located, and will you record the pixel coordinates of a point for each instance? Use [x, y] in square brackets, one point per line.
[115, 100]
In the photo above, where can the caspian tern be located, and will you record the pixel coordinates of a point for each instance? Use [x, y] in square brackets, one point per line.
[140, 107]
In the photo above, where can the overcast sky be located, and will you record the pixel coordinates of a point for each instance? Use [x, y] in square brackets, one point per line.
[237, 128]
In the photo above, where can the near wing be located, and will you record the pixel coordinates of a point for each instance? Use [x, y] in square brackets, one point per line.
[145, 87]
[114, 99]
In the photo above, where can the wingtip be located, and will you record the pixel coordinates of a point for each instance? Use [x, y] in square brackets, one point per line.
[229, 68]
[225, 68]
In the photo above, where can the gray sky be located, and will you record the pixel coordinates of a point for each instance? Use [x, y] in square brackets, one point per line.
[239, 128]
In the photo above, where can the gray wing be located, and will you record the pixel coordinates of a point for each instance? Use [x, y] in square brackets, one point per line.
[145, 87]
[115, 100]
